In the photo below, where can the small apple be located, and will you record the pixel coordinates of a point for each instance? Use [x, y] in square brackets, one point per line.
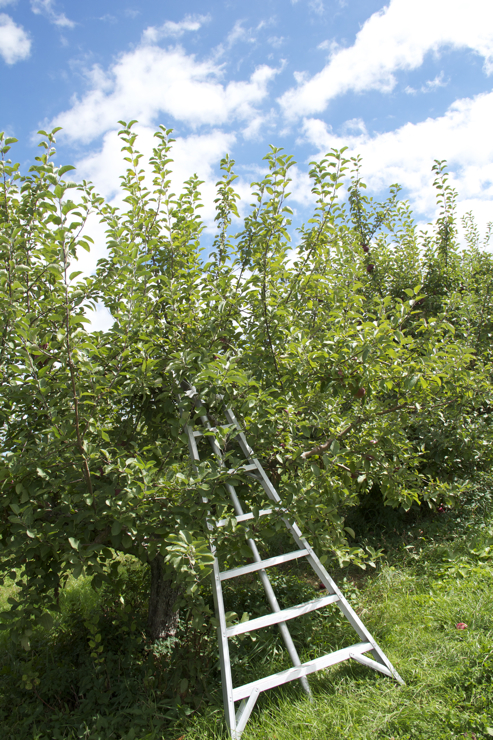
[365, 248]
[370, 267]
[360, 393]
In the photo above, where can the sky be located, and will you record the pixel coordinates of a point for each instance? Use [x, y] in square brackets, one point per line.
[401, 84]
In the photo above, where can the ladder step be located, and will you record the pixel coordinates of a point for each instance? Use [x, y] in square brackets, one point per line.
[243, 469]
[278, 679]
[282, 616]
[252, 567]
[243, 517]
[198, 433]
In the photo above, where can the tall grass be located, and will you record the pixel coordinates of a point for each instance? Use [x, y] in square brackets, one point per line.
[436, 573]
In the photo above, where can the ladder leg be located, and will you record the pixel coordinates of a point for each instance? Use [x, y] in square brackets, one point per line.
[343, 604]
[283, 628]
[226, 677]
[244, 713]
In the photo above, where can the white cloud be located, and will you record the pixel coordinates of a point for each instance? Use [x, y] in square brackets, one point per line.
[434, 84]
[4, 3]
[317, 6]
[152, 34]
[462, 136]
[238, 34]
[396, 38]
[262, 125]
[429, 86]
[330, 45]
[14, 41]
[276, 41]
[46, 8]
[151, 82]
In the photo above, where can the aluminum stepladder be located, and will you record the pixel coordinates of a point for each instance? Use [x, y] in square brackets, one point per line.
[248, 693]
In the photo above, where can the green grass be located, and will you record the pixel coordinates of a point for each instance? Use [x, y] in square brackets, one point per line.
[437, 571]
[448, 672]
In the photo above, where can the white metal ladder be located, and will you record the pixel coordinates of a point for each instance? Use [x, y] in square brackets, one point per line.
[248, 693]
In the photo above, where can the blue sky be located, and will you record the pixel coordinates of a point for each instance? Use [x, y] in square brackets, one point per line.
[401, 84]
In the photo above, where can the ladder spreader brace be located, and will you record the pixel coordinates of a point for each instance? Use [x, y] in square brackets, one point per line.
[248, 693]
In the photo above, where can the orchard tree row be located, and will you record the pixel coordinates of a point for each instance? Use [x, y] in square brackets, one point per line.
[357, 356]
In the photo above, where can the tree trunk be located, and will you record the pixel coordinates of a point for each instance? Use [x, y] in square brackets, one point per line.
[162, 618]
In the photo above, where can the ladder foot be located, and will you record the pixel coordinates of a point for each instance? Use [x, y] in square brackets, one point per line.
[306, 687]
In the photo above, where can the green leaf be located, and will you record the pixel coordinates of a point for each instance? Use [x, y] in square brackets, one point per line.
[46, 621]
[64, 169]
[74, 543]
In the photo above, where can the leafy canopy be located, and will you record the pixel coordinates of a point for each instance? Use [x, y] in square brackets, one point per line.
[359, 360]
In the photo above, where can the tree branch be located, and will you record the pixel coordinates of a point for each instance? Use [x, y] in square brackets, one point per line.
[356, 423]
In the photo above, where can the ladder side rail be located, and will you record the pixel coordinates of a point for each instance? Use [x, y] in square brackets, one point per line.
[224, 659]
[317, 566]
[343, 603]
[249, 453]
[244, 713]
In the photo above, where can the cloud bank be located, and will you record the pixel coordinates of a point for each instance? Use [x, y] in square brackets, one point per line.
[150, 82]
[394, 39]
[462, 136]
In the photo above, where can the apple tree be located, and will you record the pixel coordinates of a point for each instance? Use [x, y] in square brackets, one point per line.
[323, 339]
